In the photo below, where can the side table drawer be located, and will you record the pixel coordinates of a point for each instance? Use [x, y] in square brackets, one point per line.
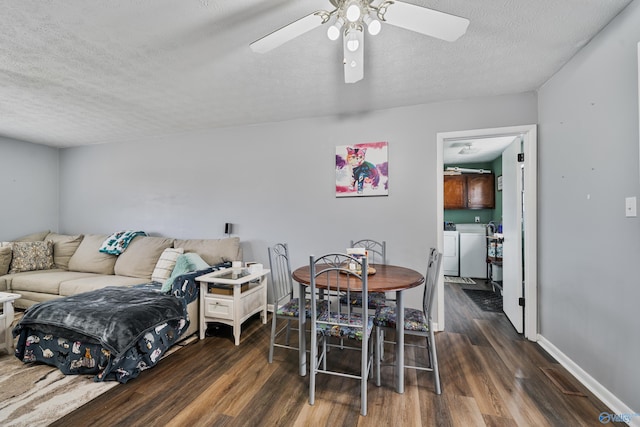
[220, 308]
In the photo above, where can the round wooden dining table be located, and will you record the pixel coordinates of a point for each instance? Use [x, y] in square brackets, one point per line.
[387, 278]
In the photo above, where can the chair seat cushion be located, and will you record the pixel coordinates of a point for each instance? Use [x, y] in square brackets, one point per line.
[292, 308]
[343, 331]
[414, 320]
[376, 299]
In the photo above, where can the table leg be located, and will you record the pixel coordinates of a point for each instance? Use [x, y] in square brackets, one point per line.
[6, 318]
[399, 342]
[202, 325]
[302, 328]
[264, 313]
[237, 329]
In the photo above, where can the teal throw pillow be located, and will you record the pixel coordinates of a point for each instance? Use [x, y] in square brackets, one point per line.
[185, 263]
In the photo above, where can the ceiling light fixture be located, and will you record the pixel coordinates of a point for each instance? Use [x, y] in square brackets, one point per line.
[353, 10]
[352, 16]
[373, 25]
[333, 32]
[469, 149]
[352, 41]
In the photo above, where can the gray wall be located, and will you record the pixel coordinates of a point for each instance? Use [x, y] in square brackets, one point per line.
[275, 182]
[589, 253]
[28, 188]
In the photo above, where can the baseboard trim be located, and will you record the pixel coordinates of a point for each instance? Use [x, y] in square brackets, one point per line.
[616, 405]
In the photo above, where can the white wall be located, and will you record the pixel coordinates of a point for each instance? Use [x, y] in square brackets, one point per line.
[589, 253]
[275, 182]
[28, 188]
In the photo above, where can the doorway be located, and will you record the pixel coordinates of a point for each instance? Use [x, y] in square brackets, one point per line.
[528, 135]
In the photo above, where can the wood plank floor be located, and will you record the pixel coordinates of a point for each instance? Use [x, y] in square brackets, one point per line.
[490, 376]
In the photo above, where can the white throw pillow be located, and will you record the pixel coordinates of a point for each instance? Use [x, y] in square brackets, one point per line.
[165, 264]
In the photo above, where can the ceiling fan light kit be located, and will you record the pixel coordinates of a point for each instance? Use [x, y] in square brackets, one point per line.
[469, 149]
[352, 16]
[333, 32]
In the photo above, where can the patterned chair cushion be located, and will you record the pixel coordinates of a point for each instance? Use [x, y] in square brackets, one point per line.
[414, 320]
[376, 299]
[292, 308]
[343, 331]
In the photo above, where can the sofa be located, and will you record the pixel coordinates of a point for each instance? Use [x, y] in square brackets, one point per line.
[46, 265]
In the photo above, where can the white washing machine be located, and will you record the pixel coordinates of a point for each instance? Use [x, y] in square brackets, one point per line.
[451, 254]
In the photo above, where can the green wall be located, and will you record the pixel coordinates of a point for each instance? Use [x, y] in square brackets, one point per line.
[467, 216]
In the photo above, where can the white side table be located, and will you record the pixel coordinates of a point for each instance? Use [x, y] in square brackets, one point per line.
[231, 296]
[6, 318]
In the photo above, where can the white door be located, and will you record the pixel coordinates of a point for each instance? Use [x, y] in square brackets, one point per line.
[512, 229]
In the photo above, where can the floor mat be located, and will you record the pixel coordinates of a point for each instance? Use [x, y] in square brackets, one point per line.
[463, 280]
[486, 300]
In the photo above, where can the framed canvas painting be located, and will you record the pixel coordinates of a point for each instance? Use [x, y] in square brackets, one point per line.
[362, 170]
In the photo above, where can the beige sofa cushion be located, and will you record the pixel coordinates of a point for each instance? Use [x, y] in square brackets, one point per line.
[141, 255]
[3, 285]
[5, 259]
[27, 299]
[213, 251]
[87, 258]
[64, 246]
[34, 237]
[42, 281]
[98, 281]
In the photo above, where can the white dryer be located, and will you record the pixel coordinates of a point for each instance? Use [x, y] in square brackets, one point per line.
[451, 254]
[473, 250]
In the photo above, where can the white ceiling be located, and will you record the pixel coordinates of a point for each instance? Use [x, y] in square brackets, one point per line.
[475, 150]
[79, 72]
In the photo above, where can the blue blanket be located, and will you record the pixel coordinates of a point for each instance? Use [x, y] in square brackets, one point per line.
[118, 241]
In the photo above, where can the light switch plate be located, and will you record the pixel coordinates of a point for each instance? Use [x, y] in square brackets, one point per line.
[630, 207]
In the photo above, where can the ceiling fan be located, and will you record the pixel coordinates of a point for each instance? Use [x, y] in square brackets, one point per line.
[350, 17]
[469, 149]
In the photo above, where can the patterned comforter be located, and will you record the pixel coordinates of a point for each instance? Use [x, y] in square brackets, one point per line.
[114, 332]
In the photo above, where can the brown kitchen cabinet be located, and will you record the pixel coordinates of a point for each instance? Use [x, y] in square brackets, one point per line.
[455, 191]
[469, 191]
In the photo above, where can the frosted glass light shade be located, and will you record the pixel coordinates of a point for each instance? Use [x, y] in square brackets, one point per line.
[333, 32]
[353, 12]
[353, 45]
[373, 25]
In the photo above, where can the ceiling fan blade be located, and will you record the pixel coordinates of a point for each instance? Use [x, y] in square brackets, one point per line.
[423, 20]
[353, 60]
[289, 32]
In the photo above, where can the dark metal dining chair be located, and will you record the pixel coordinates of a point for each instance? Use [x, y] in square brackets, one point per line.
[354, 328]
[416, 322]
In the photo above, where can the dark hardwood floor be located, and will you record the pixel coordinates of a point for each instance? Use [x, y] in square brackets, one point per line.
[490, 376]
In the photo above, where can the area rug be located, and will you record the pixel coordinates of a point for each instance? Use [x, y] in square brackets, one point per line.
[486, 300]
[37, 395]
[462, 280]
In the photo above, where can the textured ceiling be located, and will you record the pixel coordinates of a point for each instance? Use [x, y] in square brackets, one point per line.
[80, 72]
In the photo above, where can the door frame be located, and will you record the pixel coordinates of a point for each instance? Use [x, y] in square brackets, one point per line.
[529, 136]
